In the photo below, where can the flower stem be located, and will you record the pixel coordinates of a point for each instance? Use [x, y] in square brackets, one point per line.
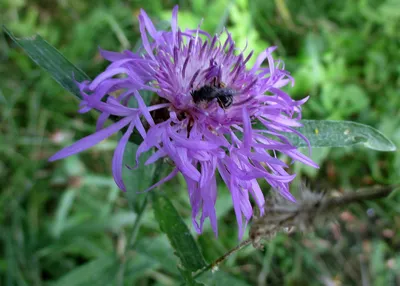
[216, 262]
[136, 226]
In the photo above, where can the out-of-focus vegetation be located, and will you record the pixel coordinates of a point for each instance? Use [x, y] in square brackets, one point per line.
[67, 222]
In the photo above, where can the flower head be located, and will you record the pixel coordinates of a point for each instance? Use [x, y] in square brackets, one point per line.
[213, 114]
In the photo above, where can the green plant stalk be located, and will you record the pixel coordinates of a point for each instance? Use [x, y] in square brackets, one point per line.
[216, 262]
[136, 226]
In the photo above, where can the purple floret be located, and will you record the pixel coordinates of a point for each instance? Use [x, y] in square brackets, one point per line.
[202, 139]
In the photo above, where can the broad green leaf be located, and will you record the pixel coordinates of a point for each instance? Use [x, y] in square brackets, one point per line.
[52, 61]
[329, 133]
[178, 233]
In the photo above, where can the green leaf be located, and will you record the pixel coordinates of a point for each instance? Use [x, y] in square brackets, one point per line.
[114, 223]
[178, 233]
[137, 267]
[100, 271]
[220, 278]
[159, 250]
[52, 61]
[62, 212]
[329, 133]
[60, 68]
[188, 278]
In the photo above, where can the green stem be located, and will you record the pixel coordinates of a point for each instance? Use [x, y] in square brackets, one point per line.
[136, 226]
[216, 262]
[138, 220]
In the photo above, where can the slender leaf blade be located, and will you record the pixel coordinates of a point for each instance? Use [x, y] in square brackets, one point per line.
[52, 61]
[60, 68]
[101, 270]
[221, 278]
[330, 133]
[159, 250]
[178, 233]
[62, 212]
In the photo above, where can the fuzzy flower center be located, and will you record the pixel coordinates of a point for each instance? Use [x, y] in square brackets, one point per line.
[204, 80]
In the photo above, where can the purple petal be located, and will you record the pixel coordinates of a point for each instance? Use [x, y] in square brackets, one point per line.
[257, 195]
[297, 155]
[247, 138]
[118, 158]
[143, 108]
[266, 54]
[210, 197]
[155, 156]
[245, 205]
[145, 40]
[179, 156]
[191, 144]
[174, 22]
[101, 120]
[91, 140]
[236, 205]
[111, 56]
[195, 202]
[105, 75]
[149, 24]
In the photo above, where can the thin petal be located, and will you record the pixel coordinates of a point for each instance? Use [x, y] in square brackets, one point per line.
[149, 24]
[155, 156]
[297, 155]
[236, 206]
[247, 138]
[91, 140]
[101, 120]
[264, 55]
[118, 158]
[174, 23]
[145, 40]
[209, 199]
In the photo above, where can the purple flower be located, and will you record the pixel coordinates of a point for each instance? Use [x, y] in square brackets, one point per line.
[212, 115]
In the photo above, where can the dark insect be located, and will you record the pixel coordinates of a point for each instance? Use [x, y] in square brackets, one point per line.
[207, 93]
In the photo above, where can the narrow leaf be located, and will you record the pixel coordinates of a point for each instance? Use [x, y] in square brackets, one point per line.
[329, 133]
[137, 267]
[52, 61]
[101, 270]
[159, 250]
[62, 212]
[59, 67]
[178, 233]
[221, 278]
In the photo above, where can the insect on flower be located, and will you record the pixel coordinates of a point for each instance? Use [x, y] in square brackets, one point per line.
[237, 135]
[219, 91]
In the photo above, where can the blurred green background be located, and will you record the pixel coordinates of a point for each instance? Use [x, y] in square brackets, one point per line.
[66, 223]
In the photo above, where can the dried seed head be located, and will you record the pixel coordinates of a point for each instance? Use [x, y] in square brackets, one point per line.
[311, 208]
